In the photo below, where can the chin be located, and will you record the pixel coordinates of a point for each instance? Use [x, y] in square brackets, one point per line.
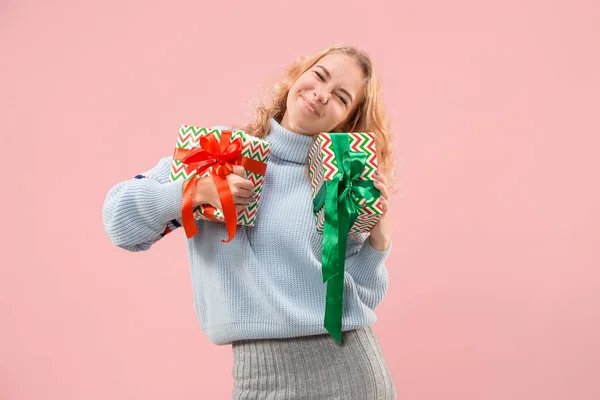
[298, 119]
[303, 128]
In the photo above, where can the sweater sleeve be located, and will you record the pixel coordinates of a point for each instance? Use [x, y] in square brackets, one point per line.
[365, 265]
[142, 210]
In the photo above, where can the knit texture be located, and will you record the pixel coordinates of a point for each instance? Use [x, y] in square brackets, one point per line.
[312, 367]
[266, 282]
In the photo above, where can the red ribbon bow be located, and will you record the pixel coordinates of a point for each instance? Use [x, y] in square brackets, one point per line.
[221, 156]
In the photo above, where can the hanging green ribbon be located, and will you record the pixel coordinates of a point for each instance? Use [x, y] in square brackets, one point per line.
[341, 197]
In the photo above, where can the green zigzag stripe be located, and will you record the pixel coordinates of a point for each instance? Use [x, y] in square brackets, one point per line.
[363, 146]
[185, 145]
[246, 221]
[255, 155]
[253, 175]
[180, 175]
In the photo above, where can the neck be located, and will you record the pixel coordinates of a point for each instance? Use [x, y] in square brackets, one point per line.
[286, 123]
[287, 144]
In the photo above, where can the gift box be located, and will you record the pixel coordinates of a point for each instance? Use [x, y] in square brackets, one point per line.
[323, 166]
[341, 168]
[201, 152]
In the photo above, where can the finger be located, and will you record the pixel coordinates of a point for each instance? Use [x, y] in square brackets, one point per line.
[241, 192]
[382, 188]
[243, 200]
[239, 208]
[380, 177]
[239, 182]
[384, 205]
[247, 184]
[238, 170]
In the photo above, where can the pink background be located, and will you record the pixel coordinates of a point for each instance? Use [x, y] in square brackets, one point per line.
[494, 280]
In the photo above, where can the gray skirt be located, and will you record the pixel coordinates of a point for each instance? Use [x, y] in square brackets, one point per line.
[312, 367]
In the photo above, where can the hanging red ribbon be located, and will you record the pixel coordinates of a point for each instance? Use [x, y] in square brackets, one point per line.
[221, 156]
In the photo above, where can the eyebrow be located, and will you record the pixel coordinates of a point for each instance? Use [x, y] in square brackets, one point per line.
[329, 76]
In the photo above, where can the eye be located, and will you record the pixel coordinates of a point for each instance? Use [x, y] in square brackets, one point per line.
[319, 75]
[342, 99]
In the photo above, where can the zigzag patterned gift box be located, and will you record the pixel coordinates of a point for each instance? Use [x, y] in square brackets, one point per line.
[253, 148]
[324, 167]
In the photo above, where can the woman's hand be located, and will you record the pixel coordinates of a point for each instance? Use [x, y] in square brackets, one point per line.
[380, 236]
[241, 190]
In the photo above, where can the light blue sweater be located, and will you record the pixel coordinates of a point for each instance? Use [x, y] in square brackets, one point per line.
[266, 282]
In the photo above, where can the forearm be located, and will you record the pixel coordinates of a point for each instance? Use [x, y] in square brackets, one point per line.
[367, 269]
[136, 212]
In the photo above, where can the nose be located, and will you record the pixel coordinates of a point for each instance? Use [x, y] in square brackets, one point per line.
[318, 94]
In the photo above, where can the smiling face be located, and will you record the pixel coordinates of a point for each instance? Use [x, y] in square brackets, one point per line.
[324, 96]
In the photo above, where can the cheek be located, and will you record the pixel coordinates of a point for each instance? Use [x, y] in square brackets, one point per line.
[303, 83]
[339, 113]
[293, 94]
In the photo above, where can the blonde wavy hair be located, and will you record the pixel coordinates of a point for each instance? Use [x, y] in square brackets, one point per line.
[368, 116]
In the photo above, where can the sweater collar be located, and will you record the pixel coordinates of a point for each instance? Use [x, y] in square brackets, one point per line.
[287, 145]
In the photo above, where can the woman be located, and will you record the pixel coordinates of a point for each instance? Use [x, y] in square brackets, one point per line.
[263, 292]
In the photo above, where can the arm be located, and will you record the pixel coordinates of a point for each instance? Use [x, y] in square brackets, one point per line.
[366, 266]
[365, 257]
[140, 211]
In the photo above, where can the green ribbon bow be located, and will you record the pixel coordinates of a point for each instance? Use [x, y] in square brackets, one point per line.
[341, 197]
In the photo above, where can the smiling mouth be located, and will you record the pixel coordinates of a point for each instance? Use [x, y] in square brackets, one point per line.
[310, 105]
